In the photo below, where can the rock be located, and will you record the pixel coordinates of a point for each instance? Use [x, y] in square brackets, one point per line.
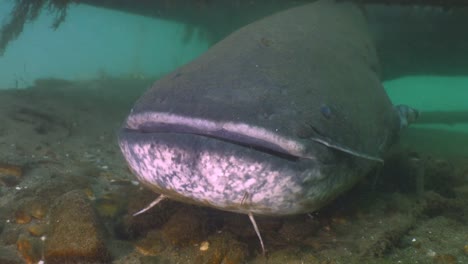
[183, 228]
[37, 230]
[29, 208]
[37, 208]
[204, 246]
[223, 249]
[30, 248]
[10, 169]
[10, 175]
[22, 217]
[75, 234]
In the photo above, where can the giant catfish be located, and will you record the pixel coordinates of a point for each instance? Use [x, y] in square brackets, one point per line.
[279, 118]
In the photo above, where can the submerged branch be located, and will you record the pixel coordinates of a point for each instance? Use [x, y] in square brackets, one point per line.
[27, 10]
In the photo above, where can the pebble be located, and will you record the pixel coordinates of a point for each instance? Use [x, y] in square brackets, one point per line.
[223, 248]
[204, 246]
[75, 234]
[37, 230]
[10, 175]
[10, 169]
[37, 209]
[29, 248]
[22, 217]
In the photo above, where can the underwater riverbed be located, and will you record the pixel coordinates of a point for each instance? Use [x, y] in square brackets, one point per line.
[66, 196]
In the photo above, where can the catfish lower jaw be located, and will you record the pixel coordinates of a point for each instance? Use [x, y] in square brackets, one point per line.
[226, 175]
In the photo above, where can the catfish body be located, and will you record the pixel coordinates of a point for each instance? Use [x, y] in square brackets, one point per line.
[278, 118]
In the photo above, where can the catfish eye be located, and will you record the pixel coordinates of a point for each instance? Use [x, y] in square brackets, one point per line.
[326, 111]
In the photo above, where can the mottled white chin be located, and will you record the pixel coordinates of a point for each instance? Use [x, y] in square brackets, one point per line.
[222, 174]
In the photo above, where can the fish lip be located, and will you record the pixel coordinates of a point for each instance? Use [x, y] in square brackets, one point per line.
[234, 132]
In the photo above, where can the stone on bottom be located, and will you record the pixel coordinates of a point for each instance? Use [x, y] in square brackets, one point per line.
[75, 232]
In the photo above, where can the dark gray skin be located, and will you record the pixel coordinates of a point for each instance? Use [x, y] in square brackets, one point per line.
[278, 118]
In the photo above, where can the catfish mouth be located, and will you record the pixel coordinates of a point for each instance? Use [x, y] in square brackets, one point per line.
[248, 170]
[242, 134]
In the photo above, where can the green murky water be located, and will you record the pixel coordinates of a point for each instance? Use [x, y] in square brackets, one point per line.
[67, 195]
